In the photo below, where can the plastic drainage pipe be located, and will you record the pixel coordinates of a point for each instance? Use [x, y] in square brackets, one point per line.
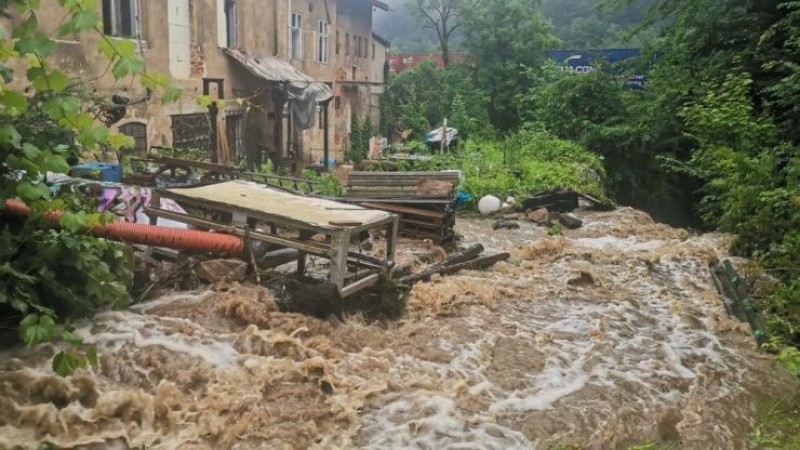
[137, 233]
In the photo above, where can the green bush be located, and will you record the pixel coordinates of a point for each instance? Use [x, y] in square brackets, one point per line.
[527, 162]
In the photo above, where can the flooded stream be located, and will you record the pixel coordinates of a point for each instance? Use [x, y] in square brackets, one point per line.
[607, 337]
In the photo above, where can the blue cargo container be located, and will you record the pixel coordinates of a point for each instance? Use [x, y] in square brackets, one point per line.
[97, 171]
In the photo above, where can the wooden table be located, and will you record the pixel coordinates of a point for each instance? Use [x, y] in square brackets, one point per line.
[241, 207]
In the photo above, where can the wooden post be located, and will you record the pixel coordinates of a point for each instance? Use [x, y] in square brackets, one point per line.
[325, 144]
[340, 243]
[391, 239]
[301, 259]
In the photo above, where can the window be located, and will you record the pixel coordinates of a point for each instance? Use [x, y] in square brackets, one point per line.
[191, 131]
[296, 36]
[322, 42]
[347, 44]
[234, 129]
[231, 24]
[355, 69]
[121, 18]
[356, 48]
[337, 42]
[373, 50]
[138, 131]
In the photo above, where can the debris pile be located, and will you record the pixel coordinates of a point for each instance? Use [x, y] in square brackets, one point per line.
[553, 207]
[423, 200]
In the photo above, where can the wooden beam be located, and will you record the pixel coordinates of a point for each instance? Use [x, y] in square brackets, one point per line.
[359, 285]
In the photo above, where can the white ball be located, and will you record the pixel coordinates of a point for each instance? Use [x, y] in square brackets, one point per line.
[489, 204]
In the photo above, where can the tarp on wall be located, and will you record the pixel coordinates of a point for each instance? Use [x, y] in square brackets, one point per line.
[304, 91]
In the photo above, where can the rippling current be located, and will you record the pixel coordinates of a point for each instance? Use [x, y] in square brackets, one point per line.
[609, 336]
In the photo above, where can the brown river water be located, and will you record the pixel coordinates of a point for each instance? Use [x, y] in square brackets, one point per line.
[610, 336]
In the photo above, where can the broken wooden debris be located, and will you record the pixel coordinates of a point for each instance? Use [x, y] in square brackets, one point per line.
[424, 200]
[564, 200]
[559, 200]
[597, 205]
[468, 258]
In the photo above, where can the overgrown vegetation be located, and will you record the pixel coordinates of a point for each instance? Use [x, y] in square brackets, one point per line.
[526, 162]
[52, 273]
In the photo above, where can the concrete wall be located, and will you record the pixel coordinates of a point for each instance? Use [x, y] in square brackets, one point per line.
[184, 38]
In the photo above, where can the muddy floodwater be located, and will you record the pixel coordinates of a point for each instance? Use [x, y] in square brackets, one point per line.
[607, 337]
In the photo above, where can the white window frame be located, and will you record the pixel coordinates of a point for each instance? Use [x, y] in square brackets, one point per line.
[322, 42]
[296, 32]
[231, 10]
[112, 26]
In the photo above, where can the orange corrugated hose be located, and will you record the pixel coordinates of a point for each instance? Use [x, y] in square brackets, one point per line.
[137, 233]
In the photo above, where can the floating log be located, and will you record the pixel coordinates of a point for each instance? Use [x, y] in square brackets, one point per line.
[454, 258]
[443, 269]
[477, 263]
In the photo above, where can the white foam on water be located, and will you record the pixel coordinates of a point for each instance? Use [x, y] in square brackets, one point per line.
[631, 243]
[112, 330]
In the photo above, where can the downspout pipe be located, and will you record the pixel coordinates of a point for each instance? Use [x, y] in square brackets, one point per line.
[143, 234]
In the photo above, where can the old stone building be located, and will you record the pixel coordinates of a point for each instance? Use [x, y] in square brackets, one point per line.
[289, 74]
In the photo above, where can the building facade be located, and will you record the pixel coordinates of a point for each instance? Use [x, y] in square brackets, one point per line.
[287, 74]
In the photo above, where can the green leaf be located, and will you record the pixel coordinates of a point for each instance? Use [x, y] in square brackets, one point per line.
[91, 136]
[9, 135]
[118, 141]
[5, 72]
[67, 362]
[34, 329]
[15, 102]
[74, 222]
[204, 100]
[39, 45]
[154, 80]
[81, 20]
[171, 94]
[58, 81]
[71, 338]
[127, 66]
[30, 151]
[57, 164]
[26, 28]
[30, 192]
[105, 47]
[125, 48]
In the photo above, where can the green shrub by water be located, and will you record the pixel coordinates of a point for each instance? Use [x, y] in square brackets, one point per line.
[527, 162]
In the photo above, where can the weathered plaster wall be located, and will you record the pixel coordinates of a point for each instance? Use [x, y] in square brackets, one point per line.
[262, 30]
